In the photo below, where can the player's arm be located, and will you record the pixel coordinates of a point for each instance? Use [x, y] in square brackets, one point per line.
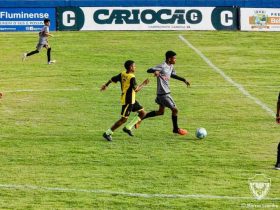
[114, 79]
[156, 71]
[174, 76]
[143, 84]
[49, 34]
[278, 110]
[104, 87]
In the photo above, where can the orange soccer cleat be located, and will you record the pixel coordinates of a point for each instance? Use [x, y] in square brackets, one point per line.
[181, 132]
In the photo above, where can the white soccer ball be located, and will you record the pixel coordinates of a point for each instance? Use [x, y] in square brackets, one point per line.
[201, 133]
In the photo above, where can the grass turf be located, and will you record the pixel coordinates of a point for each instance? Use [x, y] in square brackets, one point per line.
[53, 117]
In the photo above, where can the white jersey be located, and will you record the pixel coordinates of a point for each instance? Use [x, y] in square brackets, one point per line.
[43, 38]
[163, 80]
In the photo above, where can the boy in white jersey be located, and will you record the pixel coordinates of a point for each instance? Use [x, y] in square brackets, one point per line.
[43, 42]
[164, 72]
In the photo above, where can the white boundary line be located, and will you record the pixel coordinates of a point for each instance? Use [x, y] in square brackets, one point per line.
[38, 90]
[227, 78]
[109, 192]
[97, 88]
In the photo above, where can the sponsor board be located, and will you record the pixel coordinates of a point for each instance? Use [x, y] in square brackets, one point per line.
[147, 18]
[26, 19]
[260, 19]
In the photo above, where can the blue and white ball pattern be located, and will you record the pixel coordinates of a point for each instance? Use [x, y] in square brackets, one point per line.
[201, 133]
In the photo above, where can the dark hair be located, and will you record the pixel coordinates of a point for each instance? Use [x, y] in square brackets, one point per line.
[169, 54]
[47, 20]
[127, 64]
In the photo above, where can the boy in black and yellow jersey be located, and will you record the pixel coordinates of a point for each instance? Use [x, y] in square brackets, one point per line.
[129, 104]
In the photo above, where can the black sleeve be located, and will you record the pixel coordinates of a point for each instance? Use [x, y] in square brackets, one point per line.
[116, 78]
[174, 76]
[133, 83]
[152, 70]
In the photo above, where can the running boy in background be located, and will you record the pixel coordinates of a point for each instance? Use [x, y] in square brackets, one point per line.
[164, 72]
[43, 42]
[129, 104]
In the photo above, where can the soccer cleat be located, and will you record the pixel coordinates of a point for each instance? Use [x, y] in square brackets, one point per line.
[277, 166]
[24, 56]
[107, 137]
[51, 62]
[127, 131]
[181, 131]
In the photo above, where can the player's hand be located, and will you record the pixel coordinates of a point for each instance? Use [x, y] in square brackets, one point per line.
[103, 87]
[156, 73]
[187, 83]
[277, 119]
[146, 81]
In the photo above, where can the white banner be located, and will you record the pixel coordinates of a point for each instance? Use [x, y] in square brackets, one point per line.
[147, 18]
[260, 19]
[152, 18]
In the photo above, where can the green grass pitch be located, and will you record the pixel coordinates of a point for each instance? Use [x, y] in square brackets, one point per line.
[53, 155]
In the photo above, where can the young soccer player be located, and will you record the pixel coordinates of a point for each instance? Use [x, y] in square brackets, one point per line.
[129, 104]
[164, 72]
[278, 110]
[43, 42]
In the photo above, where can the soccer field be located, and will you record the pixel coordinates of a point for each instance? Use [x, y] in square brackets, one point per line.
[53, 155]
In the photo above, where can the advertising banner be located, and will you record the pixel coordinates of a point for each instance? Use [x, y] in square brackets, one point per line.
[147, 18]
[260, 19]
[26, 19]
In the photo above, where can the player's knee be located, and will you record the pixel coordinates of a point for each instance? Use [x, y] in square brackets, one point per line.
[124, 119]
[174, 111]
[141, 113]
[160, 112]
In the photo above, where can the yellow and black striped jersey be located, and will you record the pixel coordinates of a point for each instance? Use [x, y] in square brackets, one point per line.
[128, 85]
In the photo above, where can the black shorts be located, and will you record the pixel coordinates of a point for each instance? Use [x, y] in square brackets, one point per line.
[127, 108]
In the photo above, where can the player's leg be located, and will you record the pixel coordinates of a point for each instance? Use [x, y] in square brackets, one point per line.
[38, 48]
[137, 119]
[108, 134]
[49, 49]
[160, 101]
[126, 109]
[277, 165]
[159, 112]
[169, 102]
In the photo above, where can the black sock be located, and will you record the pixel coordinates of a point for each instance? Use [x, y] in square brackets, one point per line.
[150, 114]
[32, 53]
[175, 123]
[278, 154]
[49, 54]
